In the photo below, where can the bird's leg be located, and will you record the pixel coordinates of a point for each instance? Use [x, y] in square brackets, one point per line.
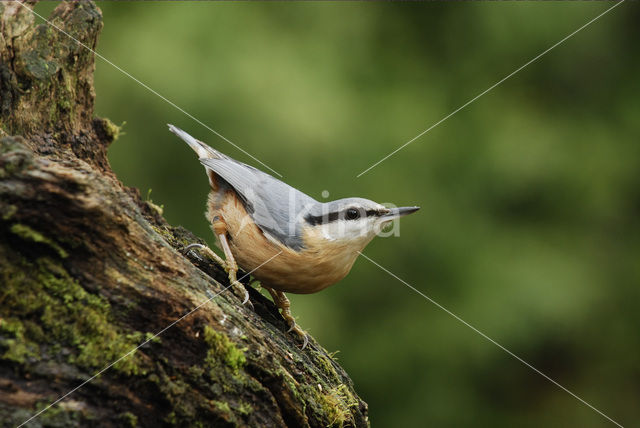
[283, 303]
[230, 266]
[220, 229]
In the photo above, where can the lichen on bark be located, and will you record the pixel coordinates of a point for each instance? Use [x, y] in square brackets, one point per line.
[89, 271]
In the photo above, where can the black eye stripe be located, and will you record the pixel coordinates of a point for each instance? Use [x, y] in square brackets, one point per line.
[333, 216]
[322, 219]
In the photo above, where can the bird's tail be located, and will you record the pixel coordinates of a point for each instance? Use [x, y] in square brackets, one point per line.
[201, 149]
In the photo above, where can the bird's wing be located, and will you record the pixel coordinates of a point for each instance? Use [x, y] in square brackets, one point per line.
[273, 205]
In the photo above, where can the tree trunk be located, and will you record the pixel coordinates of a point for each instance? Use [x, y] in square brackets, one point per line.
[89, 271]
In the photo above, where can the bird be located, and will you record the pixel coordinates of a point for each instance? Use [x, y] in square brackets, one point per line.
[289, 241]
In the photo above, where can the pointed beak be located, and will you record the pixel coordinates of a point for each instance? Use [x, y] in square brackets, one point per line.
[399, 212]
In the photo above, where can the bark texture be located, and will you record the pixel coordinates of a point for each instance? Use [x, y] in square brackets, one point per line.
[88, 271]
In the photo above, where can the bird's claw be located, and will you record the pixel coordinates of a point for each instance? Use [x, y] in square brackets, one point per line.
[209, 253]
[186, 249]
[242, 293]
[305, 341]
[238, 288]
[246, 297]
[300, 333]
[283, 304]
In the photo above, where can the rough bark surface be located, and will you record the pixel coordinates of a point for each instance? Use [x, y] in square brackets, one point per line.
[88, 271]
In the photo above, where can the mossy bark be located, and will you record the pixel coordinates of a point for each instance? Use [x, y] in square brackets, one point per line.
[88, 271]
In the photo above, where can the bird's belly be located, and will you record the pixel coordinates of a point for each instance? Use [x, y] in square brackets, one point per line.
[274, 264]
[287, 270]
[300, 275]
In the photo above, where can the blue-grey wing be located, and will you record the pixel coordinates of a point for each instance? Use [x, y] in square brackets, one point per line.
[273, 205]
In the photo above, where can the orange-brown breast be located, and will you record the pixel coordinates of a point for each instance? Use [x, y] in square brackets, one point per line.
[312, 269]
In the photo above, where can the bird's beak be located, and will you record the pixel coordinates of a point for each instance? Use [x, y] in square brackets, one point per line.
[398, 212]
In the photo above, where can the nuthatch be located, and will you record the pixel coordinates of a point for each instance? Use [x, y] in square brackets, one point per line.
[256, 217]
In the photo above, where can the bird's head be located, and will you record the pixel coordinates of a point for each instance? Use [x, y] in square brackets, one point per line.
[354, 221]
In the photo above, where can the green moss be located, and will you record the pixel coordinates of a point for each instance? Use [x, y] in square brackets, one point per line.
[64, 414]
[195, 372]
[291, 383]
[7, 211]
[336, 404]
[17, 348]
[189, 407]
[325, 365]
[16, 156]
[171, 418]
[174, 387]
[64, 104]
[221, 348]
[44, 310]
[178, 237]
[128, 419]
[221, 406]
[113, 131]
[162, 231]
[150, 337]
[157, 208]
[38, 67]
[245, 408]
[28, 234]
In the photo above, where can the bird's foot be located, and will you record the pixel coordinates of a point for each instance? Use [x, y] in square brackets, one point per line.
[208, 252]
[238, 288]
[282, 302]
[293, 328]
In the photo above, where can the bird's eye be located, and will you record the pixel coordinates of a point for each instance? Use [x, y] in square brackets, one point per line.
[352, 214]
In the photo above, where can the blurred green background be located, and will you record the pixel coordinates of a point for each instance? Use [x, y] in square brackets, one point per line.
[530, 196]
